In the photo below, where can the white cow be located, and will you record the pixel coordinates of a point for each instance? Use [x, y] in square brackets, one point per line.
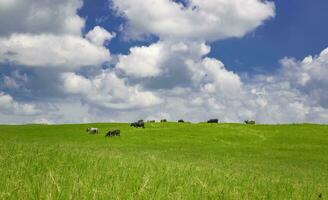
[93, 130]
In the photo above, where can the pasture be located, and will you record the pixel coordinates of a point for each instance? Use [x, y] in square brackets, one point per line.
[164, 161]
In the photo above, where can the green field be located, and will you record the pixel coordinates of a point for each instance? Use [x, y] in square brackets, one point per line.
[164, 161]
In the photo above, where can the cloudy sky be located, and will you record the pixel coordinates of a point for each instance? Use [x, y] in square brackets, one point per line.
[74, 61]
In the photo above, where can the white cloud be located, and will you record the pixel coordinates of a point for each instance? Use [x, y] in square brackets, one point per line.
[142, 61]
[10, 83]
[173, 78]
[109, 91]
[99, 36]
[212, 74]
[76, 84]
[40, 16]
[217, 92]
[42, 121]
[163, 58]
[14, 80]
[47, 34]
[205, 20]
[10, 106]
[51, 51]
[310, 76]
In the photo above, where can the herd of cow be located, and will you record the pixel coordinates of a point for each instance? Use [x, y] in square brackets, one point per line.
[141, 124]
[108, 134]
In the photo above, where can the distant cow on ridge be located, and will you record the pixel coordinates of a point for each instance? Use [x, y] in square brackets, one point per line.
[92, 130]
[252, 122]
[138, 124]
[181, 121]
[212, 121]
[113, 133]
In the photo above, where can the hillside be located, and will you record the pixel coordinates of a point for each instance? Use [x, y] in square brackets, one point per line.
[164, 161]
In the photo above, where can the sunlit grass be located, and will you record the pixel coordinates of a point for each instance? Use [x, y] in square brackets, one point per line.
[164, 161]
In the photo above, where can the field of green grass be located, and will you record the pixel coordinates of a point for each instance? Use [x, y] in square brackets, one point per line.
[164, 161]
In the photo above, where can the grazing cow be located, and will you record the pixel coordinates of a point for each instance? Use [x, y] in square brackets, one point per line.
[181, 121]
[252, 122]
[163, 120]
[93, 130]
[113, 133]
[212, 121]
[138, 124]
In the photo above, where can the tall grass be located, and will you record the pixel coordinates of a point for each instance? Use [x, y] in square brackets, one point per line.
[164, 161]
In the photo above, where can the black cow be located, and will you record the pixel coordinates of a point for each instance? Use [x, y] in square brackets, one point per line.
[181, 121]
[163, 120]
[252, 122]
[138, 124]
[212, 121]
[151, 121]
[113, 133]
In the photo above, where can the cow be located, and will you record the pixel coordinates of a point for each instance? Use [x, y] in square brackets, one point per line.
[113, 133]
[163, 120]
[212, 121]
[252, 122]
[138, 124]
[151, 121]
[92, 130]
[181, 121]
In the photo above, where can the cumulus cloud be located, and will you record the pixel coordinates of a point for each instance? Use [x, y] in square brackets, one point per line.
[172, 78]
[310, 76]
[42, 121]
[14, 82]
[214, 91]
[99, 36]
[43, 38]
[162, 64]
[212, 75]
[207, 89]
[51, 51]
[9, 106]
[109, 91]
[199, 19]
[142, 61]
[40, 16]
[48, 34]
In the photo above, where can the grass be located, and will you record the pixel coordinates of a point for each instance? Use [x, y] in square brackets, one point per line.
[164, 161]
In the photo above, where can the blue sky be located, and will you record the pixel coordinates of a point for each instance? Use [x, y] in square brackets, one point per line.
[101, 13]
[298, 30]
[75, 61]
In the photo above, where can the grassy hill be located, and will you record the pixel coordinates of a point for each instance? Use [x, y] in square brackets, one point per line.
[164, 161]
